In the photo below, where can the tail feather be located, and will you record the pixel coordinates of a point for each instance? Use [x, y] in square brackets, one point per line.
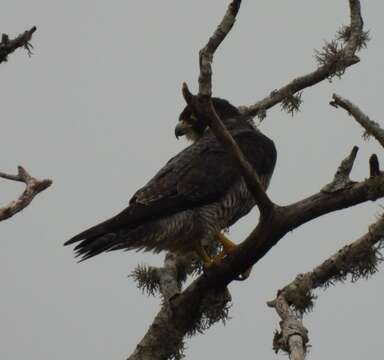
[94, 240]
[94, 231]
[93, 246]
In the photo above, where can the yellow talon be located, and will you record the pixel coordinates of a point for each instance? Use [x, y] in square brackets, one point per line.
[228, 245]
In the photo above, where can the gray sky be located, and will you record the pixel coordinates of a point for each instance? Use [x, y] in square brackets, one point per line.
[94, 109]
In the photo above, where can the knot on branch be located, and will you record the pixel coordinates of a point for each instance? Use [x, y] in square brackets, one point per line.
[299, 294]
[289, 327]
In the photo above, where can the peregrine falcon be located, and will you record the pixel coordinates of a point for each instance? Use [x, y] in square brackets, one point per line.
[198, 193]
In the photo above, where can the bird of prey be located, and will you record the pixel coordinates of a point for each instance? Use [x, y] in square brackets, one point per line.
[196, 195]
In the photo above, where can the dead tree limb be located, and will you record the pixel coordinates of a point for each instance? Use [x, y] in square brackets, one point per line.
[33, 187]
[8, 46]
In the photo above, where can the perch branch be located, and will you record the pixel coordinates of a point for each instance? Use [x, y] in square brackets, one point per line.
[371, 127]
[345, 58]
[33, 187]
[267, 233]
[8, 46]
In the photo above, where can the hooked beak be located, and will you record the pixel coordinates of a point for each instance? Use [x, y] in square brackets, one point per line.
[182, 128]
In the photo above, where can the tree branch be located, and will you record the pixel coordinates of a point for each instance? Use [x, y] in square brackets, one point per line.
[293, 336]
[206, 53]
[371, 127]
[8, 46]
[358, 259]
[33, 187]
[333, 63]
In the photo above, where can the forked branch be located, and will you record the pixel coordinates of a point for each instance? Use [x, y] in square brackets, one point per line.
[33, 187]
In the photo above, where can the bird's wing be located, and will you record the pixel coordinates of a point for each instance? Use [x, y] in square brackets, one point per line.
[199, 175]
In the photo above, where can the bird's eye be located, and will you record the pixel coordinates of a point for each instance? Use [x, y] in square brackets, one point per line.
[193, 117]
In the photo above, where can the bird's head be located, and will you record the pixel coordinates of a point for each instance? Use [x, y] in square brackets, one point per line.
[190, 126]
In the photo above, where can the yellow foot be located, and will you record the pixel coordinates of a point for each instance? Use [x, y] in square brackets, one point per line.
[229, 247]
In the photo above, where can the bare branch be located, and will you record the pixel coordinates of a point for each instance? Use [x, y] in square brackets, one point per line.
[293, 337]
[202, 105]
[206, 53]
[8, 46]
[331, 66]
[33, 187]
[371, 127]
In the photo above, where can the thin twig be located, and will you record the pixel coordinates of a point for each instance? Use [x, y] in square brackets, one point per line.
[33, 187]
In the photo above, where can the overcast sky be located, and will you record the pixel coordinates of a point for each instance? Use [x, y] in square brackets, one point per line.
[94, 109]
